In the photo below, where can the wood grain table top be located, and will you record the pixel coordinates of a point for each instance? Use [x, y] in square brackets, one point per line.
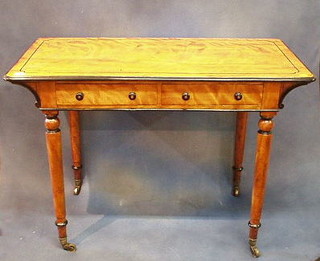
[159, 59]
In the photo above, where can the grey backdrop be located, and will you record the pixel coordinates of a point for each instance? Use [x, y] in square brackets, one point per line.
[157, 184]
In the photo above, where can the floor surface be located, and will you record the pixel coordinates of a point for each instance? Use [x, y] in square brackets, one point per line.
[283, 238]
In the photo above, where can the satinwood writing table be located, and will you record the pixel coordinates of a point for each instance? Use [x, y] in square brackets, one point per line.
[242, 75]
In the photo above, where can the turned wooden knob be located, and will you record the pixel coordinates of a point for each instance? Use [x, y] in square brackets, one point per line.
[132, 96]
[185, 96]
[238, 96]
[79, 96]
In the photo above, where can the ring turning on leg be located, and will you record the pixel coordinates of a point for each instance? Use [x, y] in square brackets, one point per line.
[256, 226]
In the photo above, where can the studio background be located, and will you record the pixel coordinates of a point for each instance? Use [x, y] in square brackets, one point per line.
[157, 184]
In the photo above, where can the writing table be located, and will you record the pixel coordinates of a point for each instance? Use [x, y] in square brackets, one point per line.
[242, 75]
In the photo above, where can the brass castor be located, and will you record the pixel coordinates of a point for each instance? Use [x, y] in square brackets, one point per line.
[77, 186]
[236, 191]
[67, 246]
[253, 248]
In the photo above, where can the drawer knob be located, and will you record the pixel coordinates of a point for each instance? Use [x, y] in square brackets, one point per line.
[132, 96]
[238, 96]
[185, 96]
[79, 96]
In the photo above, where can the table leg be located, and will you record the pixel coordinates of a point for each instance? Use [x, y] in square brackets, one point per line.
[74, 120]
[54, 148]
[260, 177]
[240, 139]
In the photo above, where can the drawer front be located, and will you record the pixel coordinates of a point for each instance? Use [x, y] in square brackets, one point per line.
[212, 94]
[110, 94]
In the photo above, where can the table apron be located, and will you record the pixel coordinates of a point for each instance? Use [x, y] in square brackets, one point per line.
[148, 95]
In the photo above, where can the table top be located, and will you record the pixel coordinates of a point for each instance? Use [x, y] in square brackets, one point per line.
[159, 59]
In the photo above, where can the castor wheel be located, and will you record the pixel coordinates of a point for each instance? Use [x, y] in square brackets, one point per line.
[67, 246]
[255, 251]
[236, 191]
[77, 187]
[76, 190]
[70, 247]
[253, 248]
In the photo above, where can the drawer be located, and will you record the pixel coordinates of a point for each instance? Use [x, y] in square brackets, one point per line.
[106, 94]
[211, 94]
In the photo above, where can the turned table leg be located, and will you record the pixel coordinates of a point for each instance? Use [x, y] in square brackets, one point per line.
[54, 148]
[260, 177]
[74, 120]
[240, 139]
